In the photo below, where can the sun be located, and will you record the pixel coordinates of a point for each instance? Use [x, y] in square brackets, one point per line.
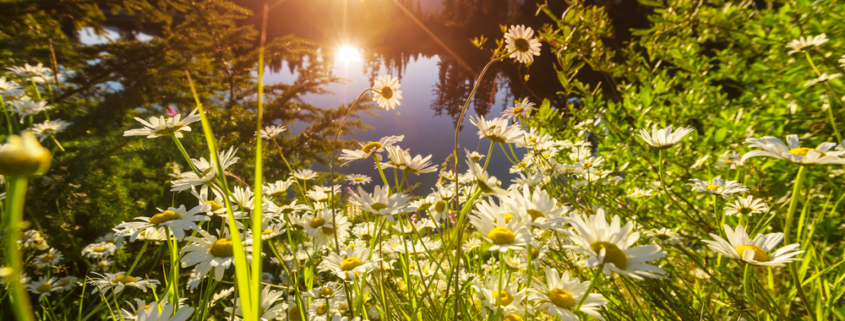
[348, 54]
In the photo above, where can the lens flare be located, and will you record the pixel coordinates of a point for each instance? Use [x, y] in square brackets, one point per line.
[348, 54]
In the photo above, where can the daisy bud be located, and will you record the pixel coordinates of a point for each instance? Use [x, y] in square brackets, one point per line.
[23, 156]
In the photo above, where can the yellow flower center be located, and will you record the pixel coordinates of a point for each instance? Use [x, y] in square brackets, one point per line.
[502, 297]
[517, 110]
[214, 205]
[46, 287]
[475, 157]
[222, 248]
[124, 279]
[759, 254]
[715, 188]
[802, 151]
[508, 217]
[588, 164]
[64, 282]
[317, 222]
[387, 92]
[512, 317]
[145, 307]
[662, 237]
[612, 254]
[350, 264]
[562, 298]
[293, 313]
[535, 253]
[164, 217]
[535, 214]
[322, 309]
[745, 210]
[328, 230]
[47, 258]
[206, 171]
[440, 206]
[267, 232]
[378, 206]
[99, 249]
[521, 44]
[358, 179]
[326, 292]
[343, 308]
[501, 235]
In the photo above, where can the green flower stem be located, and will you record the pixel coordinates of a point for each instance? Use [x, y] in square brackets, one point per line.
[174, 264]
[57, 143]
[589, 289]
[829, 110]
[498, 298]
[660, 174]
[8, 117]
[241, 264]
[14, 211]
[258, 209]
[35, 87]
[380, 171]
[489, 154]
[506, 154]
[137, 258]
[787, 232]
[185, 154]
[290, 169]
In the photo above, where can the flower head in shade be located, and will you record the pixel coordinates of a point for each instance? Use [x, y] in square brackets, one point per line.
[718, 186]
[497, 130]
[99, 250]
[279, 188]
[49, 128]
[358, 179]
[746, 206]
[730, 160]
[208, 170]
[43, 287]
[161, 126]
[24, 156]
[369, 149]
[520, 42]
[386, 92]
[10, 91]
[26, 107]
[521, 109]
[117, 282]
[402, 160]
[793, 152]
[51, 258]
[560, 295]
[269, 306]
[156, 312]
[663, 236]
[609, 246]
[803, 44]
[28, 70]
[664, 138]
[757, 251]
[272, 131]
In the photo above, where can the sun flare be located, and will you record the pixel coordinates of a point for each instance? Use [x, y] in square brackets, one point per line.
[348, 54]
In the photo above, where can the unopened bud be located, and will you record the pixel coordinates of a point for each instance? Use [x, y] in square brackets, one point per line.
[23, 156]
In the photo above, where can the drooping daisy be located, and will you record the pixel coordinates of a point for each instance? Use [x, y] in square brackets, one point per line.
[664, 138]
[508, 299]
[718, 186]
[349, 264]
[117, 282]
[268, 306]
[505, 235]
[26, 107]
[161, 126]
[381, 203]
[49, 128]
[609, 246]
[386, 92]
[369, 149]
[154, 312]
[99, 250]
[304, 174]
[538, 208]
[746, 206]
[279, 188]
[793, 152]
[755, 252]
[272, 131]
[730, 159]
[52, 257]
[43, 287]
[209, 252]
[639, 192]
[803, 44]
[208, 170]
[520, 42]
[560, 295]
[29, 70]
[102, 265]
[66, 283]
[402, 160]
[357, 179]
[177, 220]
[521, 109]
[663, 236]
[497, 130]
[700, 161]
[216, 205]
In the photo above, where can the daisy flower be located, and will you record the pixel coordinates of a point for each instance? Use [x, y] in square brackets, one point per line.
[216, 205]
[497, 130]
[664, 138]
[323, 229]
[49, 128]
[730, 160]
[663, 236]
[208, 170]
[99, 250]
[538, 208]
[10, 91]
[270, 310]
[209, 252]
[700, 161]
[26, 107]
[103, 265]
[746, 206]
[639, 192]
[521, 109]
[279, 188]
[117, 282]
[823, 78]
[560, 295]
[272, 131]
[476, 156]
[718, 187]
[401, 159]
[803, 44]
[350, 264]
[357, 179]
[66, 283]
[155, 312]
[386, 92]
[509, 298]
[49, 259]
[520, 43]
[755, 252]
[369, 149]
[471, 244]
[161, 126]
[304, 174]
[504, 235]
[381, 203]
[609, 246]
[29, 70]
[178, 220]
[793, 152]
[43, 287]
